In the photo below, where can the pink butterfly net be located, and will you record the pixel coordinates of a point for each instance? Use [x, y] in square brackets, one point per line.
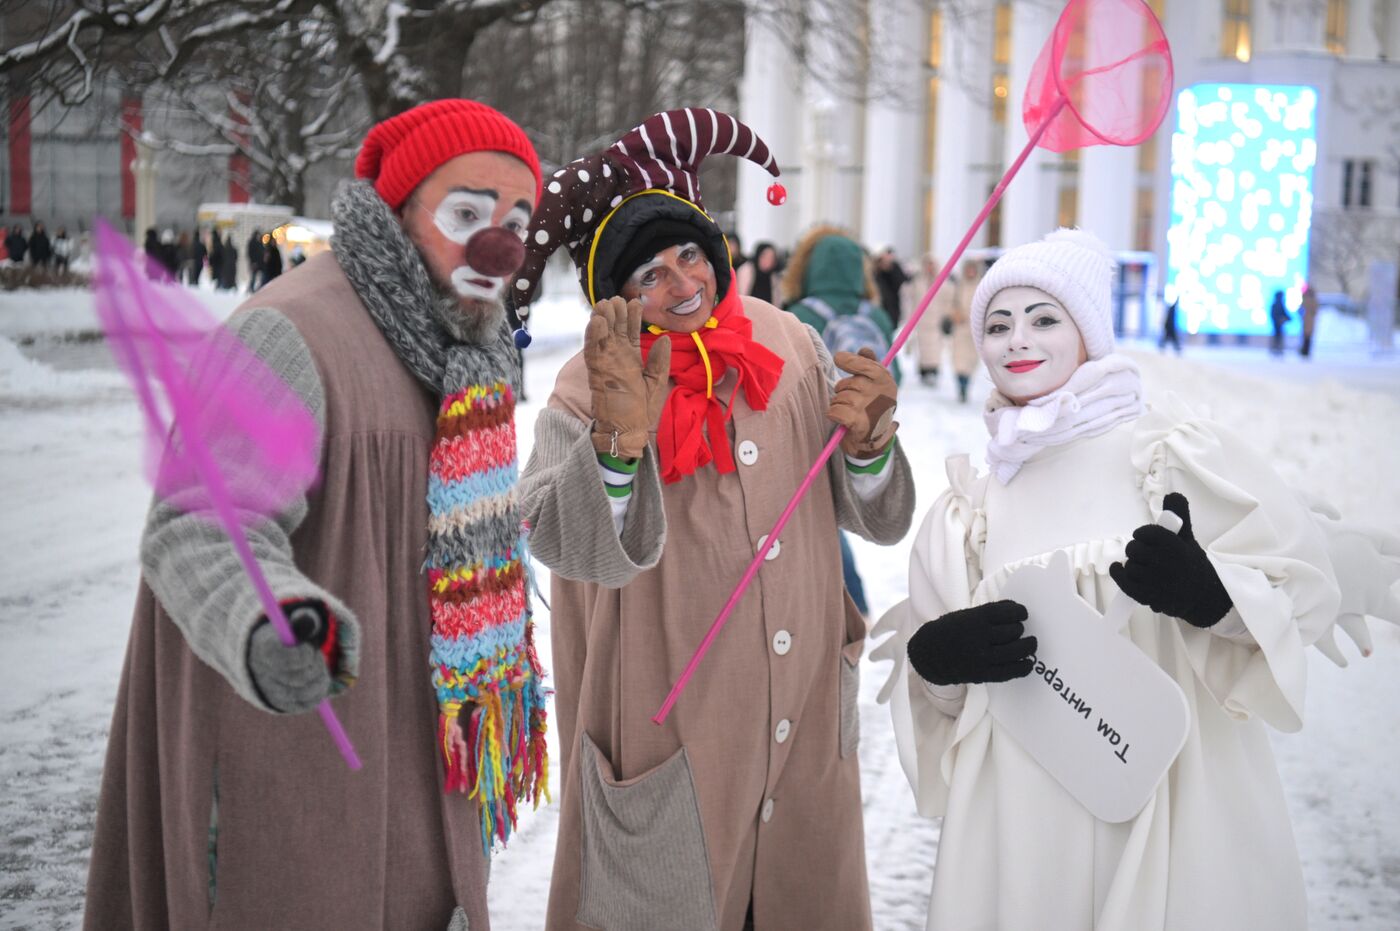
[1104, 77]
[227, 440]
[1109, 61]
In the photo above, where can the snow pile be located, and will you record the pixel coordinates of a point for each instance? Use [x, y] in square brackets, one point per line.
[23, 379]
[68, 312]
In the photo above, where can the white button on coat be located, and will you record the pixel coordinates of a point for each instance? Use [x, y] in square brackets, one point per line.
[768, 811]
[784, 728]
[782, 642]
[748, 452]
[773, 553]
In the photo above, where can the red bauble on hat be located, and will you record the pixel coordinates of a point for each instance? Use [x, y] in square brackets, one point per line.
[400, 152]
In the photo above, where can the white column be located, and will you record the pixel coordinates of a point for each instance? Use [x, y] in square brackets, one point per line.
[144, 169]
[834, 123]
[770, 101]
[1028, 208]
[1107, 183]
[1108, 193]
[1289, 25]
[964, 160]
[892, 207]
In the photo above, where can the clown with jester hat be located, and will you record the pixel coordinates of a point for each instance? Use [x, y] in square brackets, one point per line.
[667, 449]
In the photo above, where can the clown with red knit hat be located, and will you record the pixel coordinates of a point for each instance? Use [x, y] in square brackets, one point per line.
[402, 572]
[667, 449]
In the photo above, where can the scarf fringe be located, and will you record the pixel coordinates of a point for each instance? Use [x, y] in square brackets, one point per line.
[503, 723]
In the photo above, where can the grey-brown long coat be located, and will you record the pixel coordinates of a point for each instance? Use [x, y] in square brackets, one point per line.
[301, 841]
[751, 790]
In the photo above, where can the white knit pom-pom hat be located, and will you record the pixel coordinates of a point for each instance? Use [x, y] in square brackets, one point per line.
[1070, 265]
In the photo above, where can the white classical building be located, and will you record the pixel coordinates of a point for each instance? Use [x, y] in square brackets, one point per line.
[909, 158]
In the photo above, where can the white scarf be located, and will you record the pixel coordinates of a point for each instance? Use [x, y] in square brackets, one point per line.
[1100, 395]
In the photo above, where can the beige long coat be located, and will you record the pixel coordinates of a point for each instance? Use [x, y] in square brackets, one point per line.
[300, 841]
[751, 789]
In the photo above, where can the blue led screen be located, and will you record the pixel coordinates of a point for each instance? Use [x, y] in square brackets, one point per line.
[1241, 203]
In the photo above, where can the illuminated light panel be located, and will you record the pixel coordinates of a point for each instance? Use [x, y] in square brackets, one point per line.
[1241, 203]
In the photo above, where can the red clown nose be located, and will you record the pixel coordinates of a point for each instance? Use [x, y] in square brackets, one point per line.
[495, 252]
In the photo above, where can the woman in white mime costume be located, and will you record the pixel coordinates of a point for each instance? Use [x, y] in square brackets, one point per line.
[1226, 607]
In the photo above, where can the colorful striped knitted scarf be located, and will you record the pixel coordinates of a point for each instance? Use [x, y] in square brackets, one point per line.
[484, 667]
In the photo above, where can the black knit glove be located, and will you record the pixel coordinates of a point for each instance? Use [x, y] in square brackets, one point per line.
[1170, 573]
[298, 678]
[979, 644]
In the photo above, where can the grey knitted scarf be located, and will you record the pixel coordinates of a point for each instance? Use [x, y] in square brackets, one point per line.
[484, 669]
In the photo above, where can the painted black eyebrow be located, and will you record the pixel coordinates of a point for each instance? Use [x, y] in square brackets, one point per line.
[1041, 304]
[494, 195]
[524, 205]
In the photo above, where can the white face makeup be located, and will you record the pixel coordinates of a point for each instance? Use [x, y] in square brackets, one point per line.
[1030, 343]
[461, 214]
[676, 288]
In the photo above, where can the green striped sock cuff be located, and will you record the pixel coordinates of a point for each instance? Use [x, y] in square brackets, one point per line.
[870, 466]
[617, 474]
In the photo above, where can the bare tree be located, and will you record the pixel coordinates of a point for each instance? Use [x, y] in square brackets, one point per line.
[402, 51]
[585, 71]
[1345, 242]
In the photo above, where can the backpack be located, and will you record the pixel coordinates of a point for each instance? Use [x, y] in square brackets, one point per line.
[852, 332]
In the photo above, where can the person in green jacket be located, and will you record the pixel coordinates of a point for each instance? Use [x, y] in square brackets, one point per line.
[828, 286]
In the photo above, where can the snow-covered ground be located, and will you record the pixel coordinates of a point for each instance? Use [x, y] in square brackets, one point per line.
[73, 496]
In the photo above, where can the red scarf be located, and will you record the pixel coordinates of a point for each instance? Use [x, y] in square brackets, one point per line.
[692, 406]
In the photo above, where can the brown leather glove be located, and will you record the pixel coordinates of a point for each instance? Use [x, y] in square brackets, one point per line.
[627, 396]
[864, 404]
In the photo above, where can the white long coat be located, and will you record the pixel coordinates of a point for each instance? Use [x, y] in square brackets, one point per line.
[1213, 849]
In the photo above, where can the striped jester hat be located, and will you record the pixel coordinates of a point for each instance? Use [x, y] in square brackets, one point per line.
[594, 205]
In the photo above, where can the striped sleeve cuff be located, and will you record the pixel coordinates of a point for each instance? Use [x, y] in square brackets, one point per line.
[618, 475]
[869, 476]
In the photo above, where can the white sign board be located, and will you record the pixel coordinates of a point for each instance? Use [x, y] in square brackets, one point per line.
[1096, 711]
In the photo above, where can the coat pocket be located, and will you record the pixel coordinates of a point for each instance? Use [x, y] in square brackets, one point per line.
[644, 866]
[850, 697]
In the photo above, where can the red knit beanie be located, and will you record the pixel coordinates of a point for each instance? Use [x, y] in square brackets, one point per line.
[400, 152]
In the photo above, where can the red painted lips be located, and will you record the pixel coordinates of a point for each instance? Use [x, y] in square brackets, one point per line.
[1020, 368]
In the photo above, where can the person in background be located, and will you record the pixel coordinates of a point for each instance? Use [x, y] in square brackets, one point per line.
[965, 359]
[761, 276]
[216, 259]
[228, 268]
[151, 246]
[62, 250]
[937, 322]
[736, 253]
[890, 277]
[40, 249]
[1169, 332]
[272, 259]
[255, 261]
[168, 255]
[828, 286]
[1309, 320]
[1278, 316]
[198, 254]
[184, 257]
[16, 245]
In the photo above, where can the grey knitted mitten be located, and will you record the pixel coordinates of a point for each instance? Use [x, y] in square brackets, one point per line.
[291, 679]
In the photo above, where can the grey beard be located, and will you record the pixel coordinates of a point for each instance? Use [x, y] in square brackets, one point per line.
[474, 321]
[470, 320]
